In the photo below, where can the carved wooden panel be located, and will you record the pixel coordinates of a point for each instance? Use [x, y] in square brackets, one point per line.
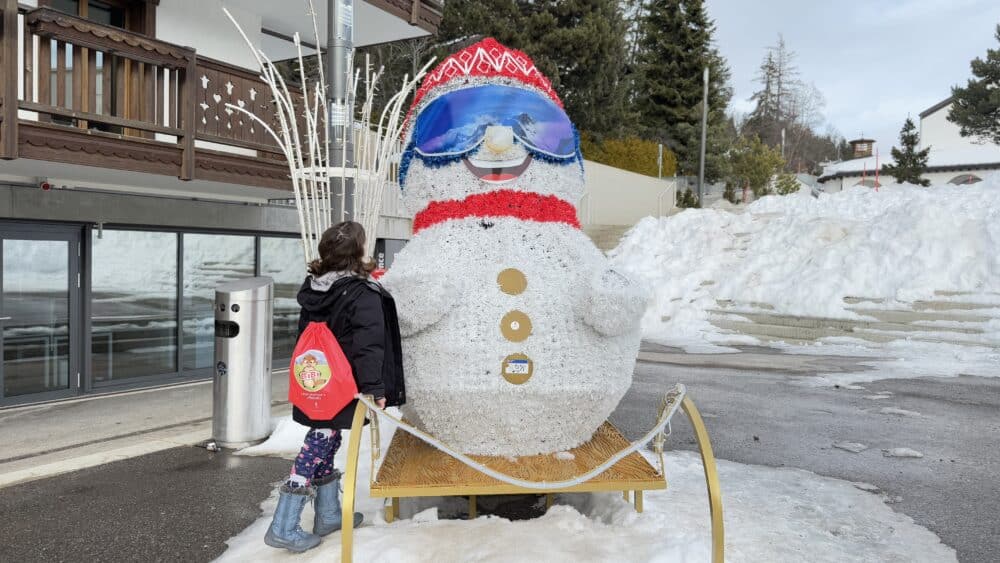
[218, 85]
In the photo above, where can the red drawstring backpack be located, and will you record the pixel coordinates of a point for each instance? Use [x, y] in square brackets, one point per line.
[320, 380]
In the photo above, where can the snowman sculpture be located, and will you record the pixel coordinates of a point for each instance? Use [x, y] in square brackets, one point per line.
[518, 337]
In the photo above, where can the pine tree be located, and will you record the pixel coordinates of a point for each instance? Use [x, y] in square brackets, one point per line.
[786, 184]
[786, 103]
[910, 163]
[578, 44]
[690, 200]
[729, 194]
[976, 108]
[775, 101]
[754, 164]
[675, 47]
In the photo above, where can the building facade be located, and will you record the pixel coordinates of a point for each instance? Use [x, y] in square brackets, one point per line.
[952, 159]
[128, 191]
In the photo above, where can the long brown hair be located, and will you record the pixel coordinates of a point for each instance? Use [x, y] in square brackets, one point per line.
[342, 249]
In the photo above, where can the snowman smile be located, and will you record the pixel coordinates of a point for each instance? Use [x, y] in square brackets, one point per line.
[496, 172]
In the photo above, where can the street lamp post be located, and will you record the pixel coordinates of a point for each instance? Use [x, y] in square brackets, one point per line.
[704, 130]
[339, 50]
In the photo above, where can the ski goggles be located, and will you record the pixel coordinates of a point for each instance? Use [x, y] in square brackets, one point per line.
[456, 122]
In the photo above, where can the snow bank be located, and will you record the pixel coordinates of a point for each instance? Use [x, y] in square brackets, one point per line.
[803, 255]
[771, 514]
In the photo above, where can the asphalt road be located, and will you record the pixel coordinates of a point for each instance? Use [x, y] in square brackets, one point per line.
[182, 504]
[176, 505]
[772, 418]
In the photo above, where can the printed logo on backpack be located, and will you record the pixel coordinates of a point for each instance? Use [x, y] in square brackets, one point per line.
[321, 382]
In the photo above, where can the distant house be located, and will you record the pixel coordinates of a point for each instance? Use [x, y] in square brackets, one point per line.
[953, 159]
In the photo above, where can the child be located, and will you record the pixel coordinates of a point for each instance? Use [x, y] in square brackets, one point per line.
[362, 317]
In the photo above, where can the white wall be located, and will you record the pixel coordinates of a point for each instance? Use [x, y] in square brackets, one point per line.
[395, 221]
[201, 24]
[936, 178]
[937, 132]
[619, 197]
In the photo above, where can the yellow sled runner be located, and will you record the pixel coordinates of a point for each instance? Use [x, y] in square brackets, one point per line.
[415, 465]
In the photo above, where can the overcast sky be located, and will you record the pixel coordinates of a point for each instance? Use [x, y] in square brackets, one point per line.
[874, 61]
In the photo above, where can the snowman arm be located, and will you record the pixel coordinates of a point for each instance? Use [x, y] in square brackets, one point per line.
[422, 298]
[615, 303]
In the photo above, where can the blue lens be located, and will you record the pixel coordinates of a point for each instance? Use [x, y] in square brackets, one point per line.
[456, 122]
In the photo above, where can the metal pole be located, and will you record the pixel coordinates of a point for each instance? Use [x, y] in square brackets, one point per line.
[659, 162]
[339, 50]
[704, 131]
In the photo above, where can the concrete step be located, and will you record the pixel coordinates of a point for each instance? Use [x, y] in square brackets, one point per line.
[847, 325]
[952, 306]
[850, 300]
[606, 237]
[901, 316]
[942, 293]
[801, 334]
[796, 333]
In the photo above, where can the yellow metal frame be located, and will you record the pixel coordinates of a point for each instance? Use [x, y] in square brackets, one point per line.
[392, 512]
[711, 480]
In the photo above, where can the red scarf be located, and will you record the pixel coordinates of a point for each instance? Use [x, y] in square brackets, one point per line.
[528, 206]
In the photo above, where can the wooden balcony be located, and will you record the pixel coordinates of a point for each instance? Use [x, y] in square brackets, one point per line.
[76, 92]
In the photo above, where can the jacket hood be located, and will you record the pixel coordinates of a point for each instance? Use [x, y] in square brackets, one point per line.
[318, 293]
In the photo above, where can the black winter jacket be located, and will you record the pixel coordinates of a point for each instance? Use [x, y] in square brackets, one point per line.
[362, 317]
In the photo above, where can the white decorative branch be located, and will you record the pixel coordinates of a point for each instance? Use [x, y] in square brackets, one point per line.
[302, 135]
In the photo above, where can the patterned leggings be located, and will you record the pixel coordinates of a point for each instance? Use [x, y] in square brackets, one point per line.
[315, 459]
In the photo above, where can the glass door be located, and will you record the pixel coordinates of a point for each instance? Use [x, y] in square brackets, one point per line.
[39, 312]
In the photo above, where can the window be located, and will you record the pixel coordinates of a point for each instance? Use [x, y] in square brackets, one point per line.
[133, 304]
[965, 179]
[282, 260]
[134, 307]
[133, 15]
[209, 259]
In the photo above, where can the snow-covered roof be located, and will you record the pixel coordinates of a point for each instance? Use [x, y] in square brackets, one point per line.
[985, 156]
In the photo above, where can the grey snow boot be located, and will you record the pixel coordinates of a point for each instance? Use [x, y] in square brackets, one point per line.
[327, 506]
[285, 530]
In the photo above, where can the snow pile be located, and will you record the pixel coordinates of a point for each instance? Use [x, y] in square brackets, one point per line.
[773, 515]
[802, 255]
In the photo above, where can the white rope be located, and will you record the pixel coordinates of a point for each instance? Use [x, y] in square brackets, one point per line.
[661, 423]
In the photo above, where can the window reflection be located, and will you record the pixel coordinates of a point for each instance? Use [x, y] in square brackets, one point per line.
[208, 261]
[36, 316]
[134, 304]
[282, 260]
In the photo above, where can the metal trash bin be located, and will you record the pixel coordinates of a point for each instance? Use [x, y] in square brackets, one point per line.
[241, 394]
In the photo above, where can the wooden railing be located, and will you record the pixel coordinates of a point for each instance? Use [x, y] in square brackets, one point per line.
[81, 74]
[76, 74]
[219, 84]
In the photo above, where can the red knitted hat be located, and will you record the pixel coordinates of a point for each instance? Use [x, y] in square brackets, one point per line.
[486, 59]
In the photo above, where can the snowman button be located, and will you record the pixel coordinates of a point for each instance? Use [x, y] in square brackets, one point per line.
[512, 281]
[517, 368]
[515, 326]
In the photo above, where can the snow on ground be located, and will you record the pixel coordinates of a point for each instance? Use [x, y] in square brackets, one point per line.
[771, 514]
[902, 359]
[802, 256]
[902, 452]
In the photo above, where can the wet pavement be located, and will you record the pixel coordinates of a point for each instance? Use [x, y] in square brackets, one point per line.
[175, 505]
[773, 418]
[181, 504]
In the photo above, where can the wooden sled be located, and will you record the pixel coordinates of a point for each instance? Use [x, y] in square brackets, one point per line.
[414, 468]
